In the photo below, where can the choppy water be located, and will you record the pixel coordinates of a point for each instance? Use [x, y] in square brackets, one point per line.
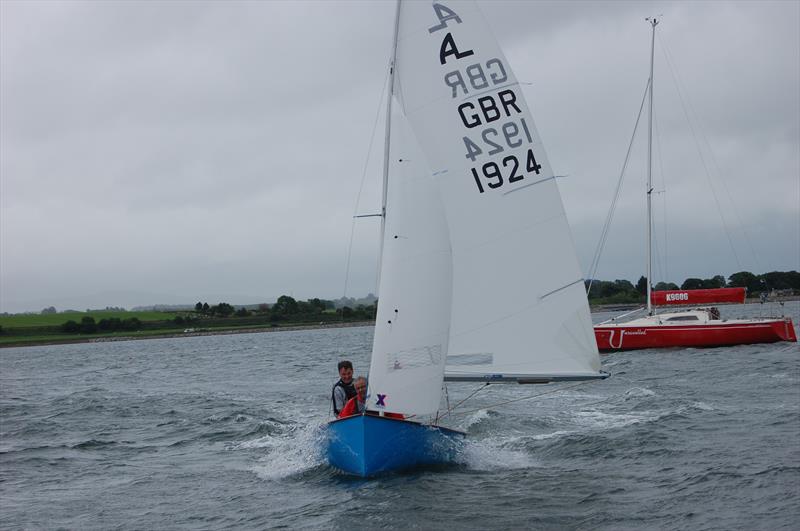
[224, 432]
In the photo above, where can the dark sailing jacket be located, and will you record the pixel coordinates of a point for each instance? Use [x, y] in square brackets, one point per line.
[349, 391]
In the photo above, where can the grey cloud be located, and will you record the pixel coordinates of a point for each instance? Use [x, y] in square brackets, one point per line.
[199, 149]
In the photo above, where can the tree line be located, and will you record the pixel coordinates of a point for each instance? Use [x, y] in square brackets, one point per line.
[288, 309]
[623, 291]
[89, 326]
[285, 306]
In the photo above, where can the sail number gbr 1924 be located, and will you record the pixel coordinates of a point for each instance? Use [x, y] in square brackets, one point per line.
[497, 138]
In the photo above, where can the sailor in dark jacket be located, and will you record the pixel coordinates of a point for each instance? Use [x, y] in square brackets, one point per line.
[343, 390]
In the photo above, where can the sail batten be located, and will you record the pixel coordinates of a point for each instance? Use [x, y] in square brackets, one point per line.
[544, 296]
[493, 89]
[524, 186]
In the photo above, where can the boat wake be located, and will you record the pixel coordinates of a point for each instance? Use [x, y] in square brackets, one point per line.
[295, 451]
[496, 454]
[474, 420]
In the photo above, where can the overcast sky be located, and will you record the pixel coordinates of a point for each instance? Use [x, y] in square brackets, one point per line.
[170, 152]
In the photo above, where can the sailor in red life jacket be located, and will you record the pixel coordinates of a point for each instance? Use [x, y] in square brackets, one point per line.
[357, 404]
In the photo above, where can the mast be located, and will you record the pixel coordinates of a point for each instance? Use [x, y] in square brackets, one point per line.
[386, 141]
[653, 22]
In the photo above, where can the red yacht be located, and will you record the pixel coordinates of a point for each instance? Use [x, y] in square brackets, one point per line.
[699, 327]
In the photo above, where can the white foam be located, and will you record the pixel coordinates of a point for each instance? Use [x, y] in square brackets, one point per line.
[265, 441]
[298, 450]
[492, 454]
[472, 419]
[261, 442]
[637, 392]
[601, 420]
[703, 406]
[553, 435]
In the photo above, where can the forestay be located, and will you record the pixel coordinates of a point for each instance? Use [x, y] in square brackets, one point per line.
[519, 308]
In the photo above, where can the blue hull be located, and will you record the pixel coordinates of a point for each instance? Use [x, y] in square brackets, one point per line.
[366, 445]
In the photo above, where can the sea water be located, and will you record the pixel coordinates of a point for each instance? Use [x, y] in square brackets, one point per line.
[223, 432]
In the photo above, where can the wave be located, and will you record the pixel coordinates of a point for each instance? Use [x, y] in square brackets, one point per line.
[298, 450]
[638, 392]
[495, 454]
[93, 444]
[475, 419]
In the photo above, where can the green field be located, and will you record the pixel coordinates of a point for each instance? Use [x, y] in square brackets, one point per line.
[30, 329]
[22, 340]
[56, 319]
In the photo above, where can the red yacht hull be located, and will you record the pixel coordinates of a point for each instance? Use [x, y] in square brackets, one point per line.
[610, 338]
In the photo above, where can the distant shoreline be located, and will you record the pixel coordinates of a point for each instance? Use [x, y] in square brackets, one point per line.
[195, 333]
[258, 330]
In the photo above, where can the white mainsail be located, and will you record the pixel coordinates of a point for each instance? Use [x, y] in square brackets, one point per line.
[519, 308]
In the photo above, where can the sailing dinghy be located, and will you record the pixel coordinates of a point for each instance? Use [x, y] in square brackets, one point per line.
[478, 270]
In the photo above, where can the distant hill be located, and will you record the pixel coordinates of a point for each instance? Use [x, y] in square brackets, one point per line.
[350, 302]
[164, 308]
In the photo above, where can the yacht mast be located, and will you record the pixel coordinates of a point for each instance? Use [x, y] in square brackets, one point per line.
[386, 141]
[653, 22]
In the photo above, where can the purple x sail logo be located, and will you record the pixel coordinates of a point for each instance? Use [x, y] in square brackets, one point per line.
[379, 402]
